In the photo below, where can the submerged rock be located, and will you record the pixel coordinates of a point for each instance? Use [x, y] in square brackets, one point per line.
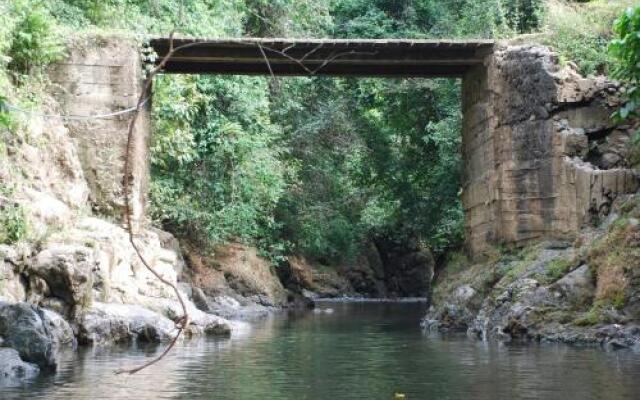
[34, 332]
[13, 369]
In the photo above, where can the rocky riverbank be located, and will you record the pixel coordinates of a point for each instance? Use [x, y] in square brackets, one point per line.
[86, 286]
[587, 292]
[68, 274]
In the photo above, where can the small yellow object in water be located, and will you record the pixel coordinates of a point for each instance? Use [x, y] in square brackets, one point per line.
[399, 396]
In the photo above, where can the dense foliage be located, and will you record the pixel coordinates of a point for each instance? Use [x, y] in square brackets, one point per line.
[217, 163]
[355, 158]
[580, 31]
[626, 48]
[312, 165]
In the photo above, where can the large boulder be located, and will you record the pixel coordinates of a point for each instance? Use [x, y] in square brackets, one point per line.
[34, 332]
[94, 261]
[105, 323]
[13, 369]
[455, 313]
[577, 287]
[68, 272]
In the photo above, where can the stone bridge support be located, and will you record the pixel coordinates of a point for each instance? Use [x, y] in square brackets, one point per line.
[100, 76]
[529, 133]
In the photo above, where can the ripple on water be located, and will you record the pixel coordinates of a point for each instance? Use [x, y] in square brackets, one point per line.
[359, 351]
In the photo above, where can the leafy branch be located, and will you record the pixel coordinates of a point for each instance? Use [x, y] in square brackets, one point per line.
[626, 48]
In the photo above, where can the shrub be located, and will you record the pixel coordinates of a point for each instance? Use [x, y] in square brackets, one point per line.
[13, 225]
[34, 42]
[626, 49]
[581, 32]
[614, 261]
[557, 268]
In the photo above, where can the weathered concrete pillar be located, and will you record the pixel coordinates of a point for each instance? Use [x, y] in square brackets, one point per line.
[480, 195]
[101, 76]
[529, 133]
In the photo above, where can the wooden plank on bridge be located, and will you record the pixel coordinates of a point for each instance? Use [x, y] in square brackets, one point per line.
[329, 57]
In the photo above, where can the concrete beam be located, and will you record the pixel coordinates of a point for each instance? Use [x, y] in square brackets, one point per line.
[328, 57]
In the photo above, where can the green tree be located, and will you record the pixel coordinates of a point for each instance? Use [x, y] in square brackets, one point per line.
[216, 164]
[34, 41]
[626, 49]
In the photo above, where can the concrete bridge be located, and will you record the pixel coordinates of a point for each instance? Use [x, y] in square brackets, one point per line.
[327, 57]
[527, 122]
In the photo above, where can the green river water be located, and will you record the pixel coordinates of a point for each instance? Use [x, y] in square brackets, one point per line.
[358, 351]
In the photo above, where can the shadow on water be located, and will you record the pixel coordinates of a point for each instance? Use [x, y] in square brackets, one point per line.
[355, 351]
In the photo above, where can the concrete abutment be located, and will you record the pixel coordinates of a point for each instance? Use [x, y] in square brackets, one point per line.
[529, 126]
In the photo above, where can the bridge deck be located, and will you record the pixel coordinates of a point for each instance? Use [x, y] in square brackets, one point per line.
[331, 57]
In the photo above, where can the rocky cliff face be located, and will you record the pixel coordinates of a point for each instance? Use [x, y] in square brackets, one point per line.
[232, 280]
[385, 269]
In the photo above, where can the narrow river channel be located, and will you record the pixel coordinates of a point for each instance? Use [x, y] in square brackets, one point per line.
[353, 351]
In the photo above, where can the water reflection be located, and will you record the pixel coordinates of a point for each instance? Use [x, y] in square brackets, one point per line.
[360, 351]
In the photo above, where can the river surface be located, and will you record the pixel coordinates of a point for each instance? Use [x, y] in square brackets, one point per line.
[359, 351]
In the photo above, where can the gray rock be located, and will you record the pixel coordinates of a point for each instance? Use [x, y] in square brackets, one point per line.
[207, 324]
[577, 287]
[106, 323]
[56, 305]
[455, 313]
[13, 369]
[508, 315]
[228, 307]
[610, 160]
[68, 272]
[457, 309]
[200, 299]
[34, 332]
[59, 329]
[616, 336]
[464, 293]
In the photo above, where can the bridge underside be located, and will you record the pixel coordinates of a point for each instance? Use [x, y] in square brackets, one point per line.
[328, 57]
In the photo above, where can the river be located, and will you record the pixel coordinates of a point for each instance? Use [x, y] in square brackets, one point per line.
[358, 351]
